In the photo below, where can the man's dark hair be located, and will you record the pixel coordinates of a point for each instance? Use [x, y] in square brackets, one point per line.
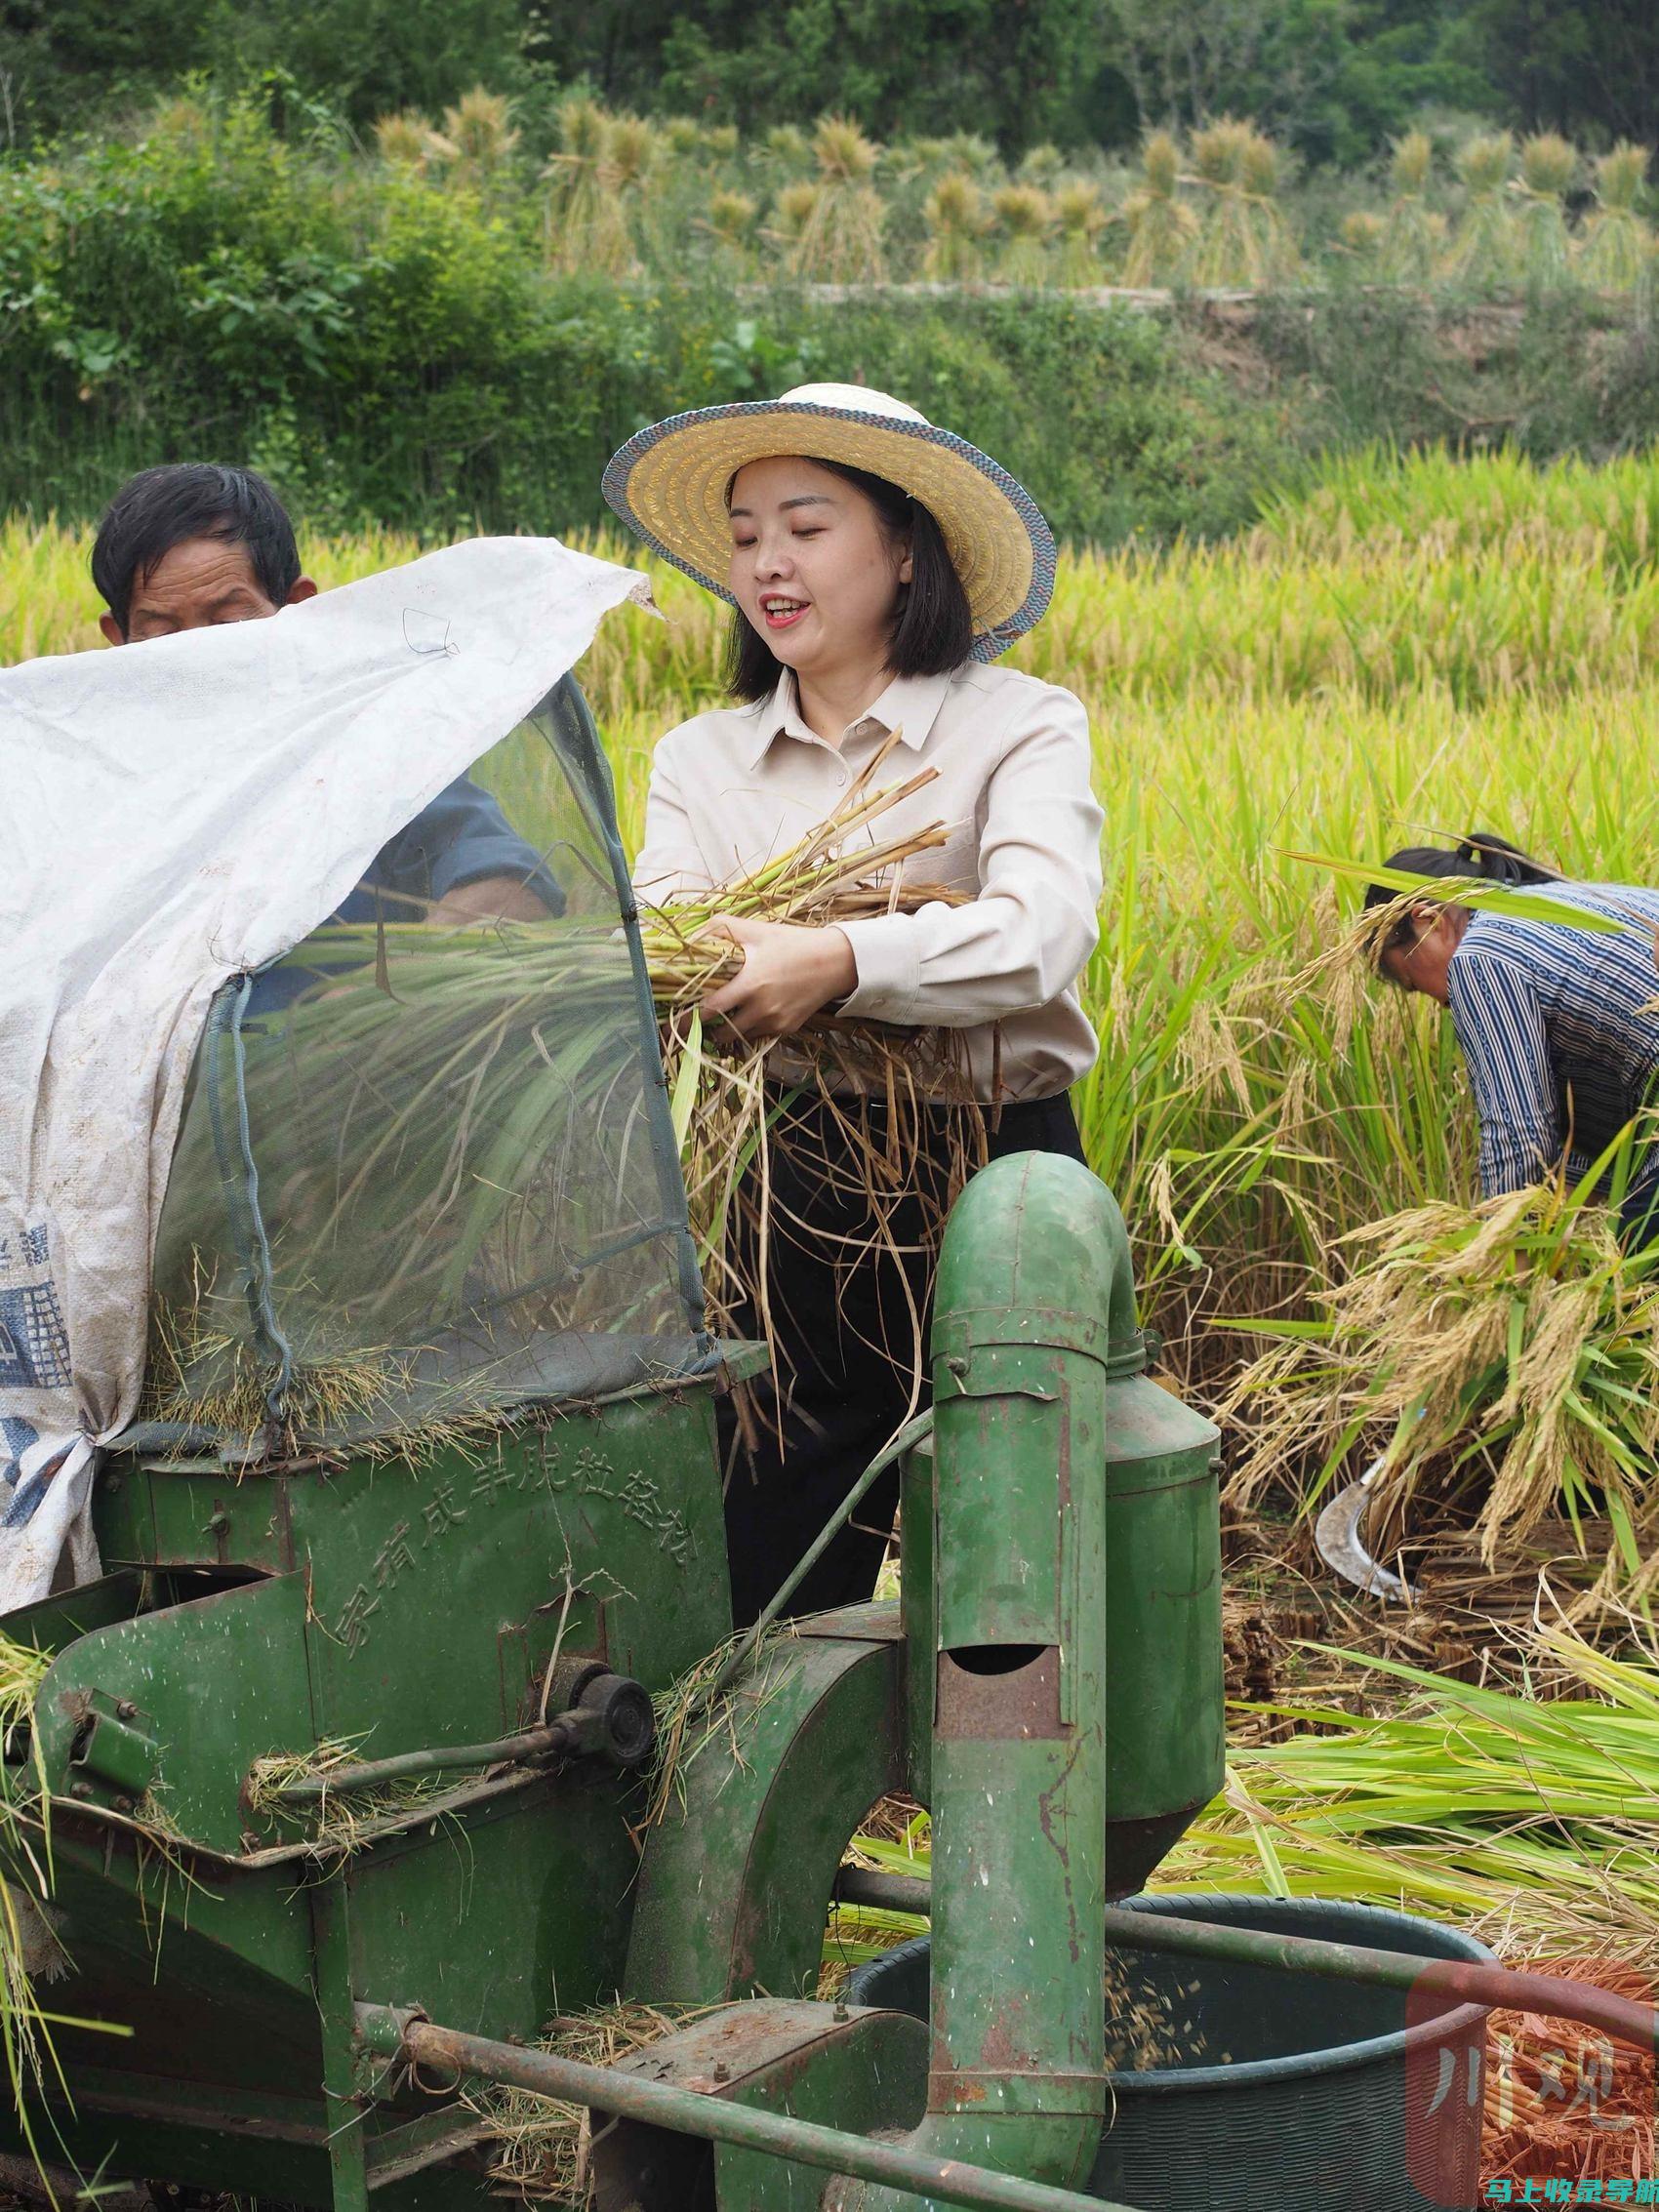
[933, 625]
[1493, 858]
[160, 507]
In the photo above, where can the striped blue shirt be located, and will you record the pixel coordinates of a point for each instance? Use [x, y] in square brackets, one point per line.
[1560, 1055]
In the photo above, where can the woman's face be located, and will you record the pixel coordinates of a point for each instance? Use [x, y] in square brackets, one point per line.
[812, 567]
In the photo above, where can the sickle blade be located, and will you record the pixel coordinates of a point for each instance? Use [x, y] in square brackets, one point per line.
[1339, 1539]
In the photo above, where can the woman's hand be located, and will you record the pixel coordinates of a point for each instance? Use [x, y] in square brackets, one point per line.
[788, 974]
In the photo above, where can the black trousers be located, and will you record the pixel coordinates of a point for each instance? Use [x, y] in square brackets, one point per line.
[844, 1319]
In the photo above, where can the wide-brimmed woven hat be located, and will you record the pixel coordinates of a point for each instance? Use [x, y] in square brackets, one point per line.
[669, 483]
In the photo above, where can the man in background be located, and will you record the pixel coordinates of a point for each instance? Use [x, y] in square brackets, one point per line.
[191, 545]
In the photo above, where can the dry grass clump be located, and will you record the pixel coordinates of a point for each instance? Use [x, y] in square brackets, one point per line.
[1618, 245]
[1562, 2102]
[713, 1702]
[540, 2149]
[339, 1821]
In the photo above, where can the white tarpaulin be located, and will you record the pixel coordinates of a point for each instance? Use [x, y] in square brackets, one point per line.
[178, 812]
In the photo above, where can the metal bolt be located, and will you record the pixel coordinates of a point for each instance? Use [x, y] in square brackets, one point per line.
[126, 1710]
[722, 2072]
[249, 1841]
[80, 1788]
[123, 1804]
[840, 2012]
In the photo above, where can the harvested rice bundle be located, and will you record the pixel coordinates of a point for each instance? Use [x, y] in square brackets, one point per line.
[1506, 1358]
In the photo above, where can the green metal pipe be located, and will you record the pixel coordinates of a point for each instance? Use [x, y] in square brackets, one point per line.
[715, 2120]
[1508, 1987]
[1033, 1315]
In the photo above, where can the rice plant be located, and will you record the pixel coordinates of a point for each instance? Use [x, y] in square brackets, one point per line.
[1025, 218]
[1618, 245]
[957, 219]
[1162, 225]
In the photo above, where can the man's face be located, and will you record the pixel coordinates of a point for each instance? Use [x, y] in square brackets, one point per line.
[195, 584]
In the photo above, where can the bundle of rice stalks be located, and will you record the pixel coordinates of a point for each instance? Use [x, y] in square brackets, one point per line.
[1025, 214]
[1482, 253]
[840, 240]
[405, 139]
[720, 1086]
[1412, 236]
[730, 226]
[1618, 245]
[540, 2148]
[1547, 166]
[1505, 1359]
[956, 222]
[1363, 234]
[586, 221]
[1081, 216]
[1162, 225]
[477, 138]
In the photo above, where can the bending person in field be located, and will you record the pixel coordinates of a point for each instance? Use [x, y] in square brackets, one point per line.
[876, 566]
[189, 546]
[1555, 1025]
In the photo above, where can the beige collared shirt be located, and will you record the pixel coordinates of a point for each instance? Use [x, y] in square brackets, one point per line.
[738, 786]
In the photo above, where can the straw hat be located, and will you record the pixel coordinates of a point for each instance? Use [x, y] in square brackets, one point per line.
[669, 483]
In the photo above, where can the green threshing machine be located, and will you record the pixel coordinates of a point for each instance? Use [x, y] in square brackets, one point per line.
[457, 1626]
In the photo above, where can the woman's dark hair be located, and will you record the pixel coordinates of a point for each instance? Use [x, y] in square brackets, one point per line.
[933, 625]
[1493, 858]
[160, 507]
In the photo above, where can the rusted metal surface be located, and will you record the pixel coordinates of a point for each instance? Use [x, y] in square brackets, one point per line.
[714, 2118]
[992, 1704]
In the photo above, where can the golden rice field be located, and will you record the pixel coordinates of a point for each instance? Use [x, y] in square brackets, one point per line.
[1409, 650]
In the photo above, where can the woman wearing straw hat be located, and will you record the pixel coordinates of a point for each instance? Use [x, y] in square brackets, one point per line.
[876, 566]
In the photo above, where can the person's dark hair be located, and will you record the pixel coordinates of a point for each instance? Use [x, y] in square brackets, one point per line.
[1492, 858]
[160, 507]
[933, 625]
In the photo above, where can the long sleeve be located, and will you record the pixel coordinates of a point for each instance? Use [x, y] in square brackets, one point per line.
[1024, 939]
[671, 862]
[1500, 1027]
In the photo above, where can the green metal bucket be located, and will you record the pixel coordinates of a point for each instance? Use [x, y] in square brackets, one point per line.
[1327, 2097]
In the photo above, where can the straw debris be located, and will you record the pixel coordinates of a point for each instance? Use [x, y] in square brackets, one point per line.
[541, 2147]
[340, 1821]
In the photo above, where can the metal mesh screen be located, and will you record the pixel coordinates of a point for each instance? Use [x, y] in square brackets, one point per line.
[426, 1169]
